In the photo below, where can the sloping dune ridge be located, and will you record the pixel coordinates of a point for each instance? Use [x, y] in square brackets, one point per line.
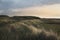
[29, 28]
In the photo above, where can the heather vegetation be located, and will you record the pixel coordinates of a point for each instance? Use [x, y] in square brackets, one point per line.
[28, 28]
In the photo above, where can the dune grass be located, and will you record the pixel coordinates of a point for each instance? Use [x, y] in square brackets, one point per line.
[32, 29]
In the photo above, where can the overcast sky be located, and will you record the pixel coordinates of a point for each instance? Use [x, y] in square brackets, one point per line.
[42, 8]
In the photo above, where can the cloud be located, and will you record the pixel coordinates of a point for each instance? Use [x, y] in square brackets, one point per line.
[50, 2]
[7, 4]
[41, 11]
[42, 8]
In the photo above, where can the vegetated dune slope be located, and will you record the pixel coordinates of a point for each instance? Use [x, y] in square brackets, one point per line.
[28, 28]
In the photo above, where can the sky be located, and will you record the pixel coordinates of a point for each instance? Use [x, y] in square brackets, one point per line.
[41, 8]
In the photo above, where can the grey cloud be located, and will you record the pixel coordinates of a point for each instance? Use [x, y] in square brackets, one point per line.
[50, 2]
[11, 4]
[6, 4]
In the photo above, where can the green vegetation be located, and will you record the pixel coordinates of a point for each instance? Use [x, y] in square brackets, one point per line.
[28, 28]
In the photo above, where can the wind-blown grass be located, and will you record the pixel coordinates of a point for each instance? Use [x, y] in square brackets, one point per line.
[32, 29]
